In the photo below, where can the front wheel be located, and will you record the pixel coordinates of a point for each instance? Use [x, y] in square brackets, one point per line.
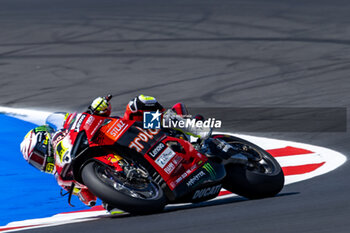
[136, 196]
[261, 177]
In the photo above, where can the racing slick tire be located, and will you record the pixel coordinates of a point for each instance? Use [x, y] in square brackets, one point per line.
[262, 179]
[133, 198]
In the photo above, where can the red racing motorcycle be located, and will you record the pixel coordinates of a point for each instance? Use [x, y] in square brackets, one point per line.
[142, 170]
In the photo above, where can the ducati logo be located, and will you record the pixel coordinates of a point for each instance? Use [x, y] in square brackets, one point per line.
[207, 192]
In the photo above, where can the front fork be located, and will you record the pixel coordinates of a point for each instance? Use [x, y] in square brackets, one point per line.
[74, 188]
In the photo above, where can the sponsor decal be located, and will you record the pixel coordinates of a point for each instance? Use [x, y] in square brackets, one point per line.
[207, 192]
[177, 160]
[96, 127]
[50, 167]
[156, 151]
[61, 150]
[143, 136]
[210, 170]
[165, 157]
[117, 128]
[170, 168]
[194, 167]
[183, 176]
[46, 140]
[186, 173]
[151, 120]
[42, 128]
[178, 180]
[57, 138]
[172, 185]
[79, 122]
[195, 179]
[90, 120]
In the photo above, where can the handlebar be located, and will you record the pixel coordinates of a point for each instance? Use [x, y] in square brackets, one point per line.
[109, 97]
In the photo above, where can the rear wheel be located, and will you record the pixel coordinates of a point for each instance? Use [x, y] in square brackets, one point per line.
[136, 193]
[261, 177]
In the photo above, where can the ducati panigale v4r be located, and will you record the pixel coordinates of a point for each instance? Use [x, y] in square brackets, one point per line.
[141, 170]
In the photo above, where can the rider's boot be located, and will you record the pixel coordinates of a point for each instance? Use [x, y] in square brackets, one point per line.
[112, 210]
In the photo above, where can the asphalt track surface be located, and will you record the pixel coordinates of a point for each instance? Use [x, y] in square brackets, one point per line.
[59, 55]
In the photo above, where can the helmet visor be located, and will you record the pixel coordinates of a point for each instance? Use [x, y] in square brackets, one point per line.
[39, 155]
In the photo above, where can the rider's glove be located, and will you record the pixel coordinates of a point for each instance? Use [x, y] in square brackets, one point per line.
[100, 106]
